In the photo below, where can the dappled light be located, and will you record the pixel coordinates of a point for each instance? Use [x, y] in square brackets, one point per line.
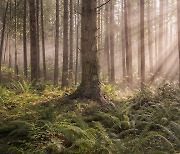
[90, 76]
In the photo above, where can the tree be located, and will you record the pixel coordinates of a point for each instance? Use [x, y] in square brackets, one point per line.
[150, 37]
[178, 21]
[142, 43]
[161, 38]
[123, 44]
[2, 36]
[65, 46]
[127, 18]
[24, 38]
[33, 41]
[90, 87]
[71, 44]
[43, 41]
[38, 47]
[106, 41]
[56, 64]
[112, 41]
[77, 43]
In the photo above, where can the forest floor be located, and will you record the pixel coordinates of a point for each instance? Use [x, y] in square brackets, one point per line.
[40, 121]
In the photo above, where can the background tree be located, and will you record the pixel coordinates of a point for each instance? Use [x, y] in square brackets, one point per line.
[33, 42]
[56, 63]
[65, 46]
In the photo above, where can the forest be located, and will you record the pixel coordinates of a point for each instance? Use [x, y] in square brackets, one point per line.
[89, 76]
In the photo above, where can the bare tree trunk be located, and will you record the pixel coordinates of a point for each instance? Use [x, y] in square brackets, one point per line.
[2, 38]
[142, 43]
[178, 21]
[16, 52]
[33, 44]
[106, 42]
[127, 16]
[112, 41]
[161, 37]
[71, 44]
[43, 41]
[24, 39]
[77, 44]
[150, 38]
[65, 46]
[38, 47]
[123, 44]
[56, 64]
[90, 85]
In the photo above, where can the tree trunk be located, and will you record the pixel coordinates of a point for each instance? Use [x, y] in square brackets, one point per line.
[142, 43]
[16, 52]
[33, 43]
[161, 38]
[112, 41]
[106, 42]
[65, 46]
[56, 64]
[90, 85]
[77, 44]
[43, 41]
[127, 17]
[178, 21]
[123, 44]
[24, 39]
[71, 44]
[38, 47]
[150, 38]
[2, 38]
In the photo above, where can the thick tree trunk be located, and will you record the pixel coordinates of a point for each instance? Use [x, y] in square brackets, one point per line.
[56, 63]
[43, 41]
[24, 39]
[90, 85]
[33, 43]
[65, 46]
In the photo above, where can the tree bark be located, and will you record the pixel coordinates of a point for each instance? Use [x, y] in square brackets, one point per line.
[127, 17]
[43, 41]
[178, 21]
[56, 63]
[90, 87]
[142, 43]
[24, 39]
[77, 43]
[33, 43]
[38, 47]
[106, 42]
[65, 46]
[150, 38]
[112, 41]
[2, 38]
[71, 44]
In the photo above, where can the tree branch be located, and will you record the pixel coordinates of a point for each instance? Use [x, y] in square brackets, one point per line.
[98, 7]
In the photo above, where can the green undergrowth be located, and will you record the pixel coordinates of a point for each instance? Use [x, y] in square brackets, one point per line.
[37, 120]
